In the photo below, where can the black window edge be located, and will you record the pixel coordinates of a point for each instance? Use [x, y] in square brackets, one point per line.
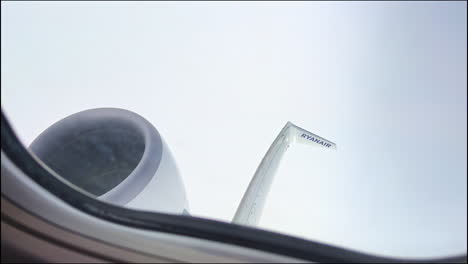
[190, 226]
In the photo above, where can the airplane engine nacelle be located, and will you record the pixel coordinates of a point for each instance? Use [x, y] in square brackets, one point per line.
[116, 155]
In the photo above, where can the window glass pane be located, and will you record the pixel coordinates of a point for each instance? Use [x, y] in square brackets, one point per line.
[385, 81]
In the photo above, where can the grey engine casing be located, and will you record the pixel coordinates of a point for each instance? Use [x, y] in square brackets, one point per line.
[116, 155]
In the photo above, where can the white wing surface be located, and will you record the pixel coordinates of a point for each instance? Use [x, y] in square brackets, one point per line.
[253, 202]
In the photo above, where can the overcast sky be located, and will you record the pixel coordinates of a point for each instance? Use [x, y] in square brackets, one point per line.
[385, 81]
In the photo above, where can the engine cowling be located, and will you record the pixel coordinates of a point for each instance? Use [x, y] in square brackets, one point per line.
[116, 155]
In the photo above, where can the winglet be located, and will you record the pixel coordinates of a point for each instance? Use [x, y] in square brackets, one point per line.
[306, 137]
[251, 207]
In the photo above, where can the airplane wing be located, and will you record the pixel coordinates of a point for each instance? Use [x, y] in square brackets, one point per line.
[253, 201]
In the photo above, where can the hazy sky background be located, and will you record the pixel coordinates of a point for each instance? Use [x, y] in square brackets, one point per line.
[385, 81]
